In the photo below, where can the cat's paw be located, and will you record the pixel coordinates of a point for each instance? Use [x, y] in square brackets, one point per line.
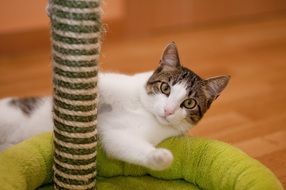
[159, 159]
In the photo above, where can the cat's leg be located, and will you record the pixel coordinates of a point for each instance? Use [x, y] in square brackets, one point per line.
[133, 149]
[159, 159]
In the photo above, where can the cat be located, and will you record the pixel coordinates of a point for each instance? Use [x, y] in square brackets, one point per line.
[135, 112]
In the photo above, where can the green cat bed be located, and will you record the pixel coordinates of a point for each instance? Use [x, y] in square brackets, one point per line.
[199, 164]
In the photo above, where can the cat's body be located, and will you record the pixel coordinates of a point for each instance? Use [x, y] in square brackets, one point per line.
[135, 112]
[19, 122]
[121, 116]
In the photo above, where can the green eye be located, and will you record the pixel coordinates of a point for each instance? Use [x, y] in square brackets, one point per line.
[165, 88]
[189, 103]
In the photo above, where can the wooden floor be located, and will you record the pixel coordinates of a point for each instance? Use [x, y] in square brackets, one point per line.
[250, 114]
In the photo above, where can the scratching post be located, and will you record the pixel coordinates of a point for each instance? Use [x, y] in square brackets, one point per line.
[75, 28]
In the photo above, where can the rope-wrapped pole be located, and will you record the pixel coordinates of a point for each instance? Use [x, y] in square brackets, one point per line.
[76, 29]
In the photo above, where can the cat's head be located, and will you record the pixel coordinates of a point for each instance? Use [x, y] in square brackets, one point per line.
[178, 94]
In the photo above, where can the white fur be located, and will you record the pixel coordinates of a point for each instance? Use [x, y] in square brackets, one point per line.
[129, 131]
[16, 126]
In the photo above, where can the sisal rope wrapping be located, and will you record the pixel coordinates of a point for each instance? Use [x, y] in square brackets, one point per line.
[76, 29]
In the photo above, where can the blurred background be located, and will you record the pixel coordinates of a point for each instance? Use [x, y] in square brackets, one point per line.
[246, 39]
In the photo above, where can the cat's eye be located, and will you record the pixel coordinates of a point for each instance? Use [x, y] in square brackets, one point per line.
[165, 88]
[189, 103]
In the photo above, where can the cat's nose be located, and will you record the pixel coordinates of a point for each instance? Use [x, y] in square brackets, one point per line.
[168, 111]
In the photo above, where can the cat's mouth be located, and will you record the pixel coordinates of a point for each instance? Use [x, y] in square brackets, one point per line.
[163, 120]
[170, 121]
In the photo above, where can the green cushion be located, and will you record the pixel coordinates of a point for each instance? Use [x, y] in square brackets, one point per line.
[199, 164]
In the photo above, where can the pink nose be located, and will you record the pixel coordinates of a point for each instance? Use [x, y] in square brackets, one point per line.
[168, 111]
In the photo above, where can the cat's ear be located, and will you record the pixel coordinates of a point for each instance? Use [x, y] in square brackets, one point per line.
[215, 85]
[170, 56]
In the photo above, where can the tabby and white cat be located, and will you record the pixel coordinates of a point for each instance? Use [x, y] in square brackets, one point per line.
[135, 112]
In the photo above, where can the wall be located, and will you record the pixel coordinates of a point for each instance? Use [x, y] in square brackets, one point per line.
[24, 24]
[26, 15]
[150, 16]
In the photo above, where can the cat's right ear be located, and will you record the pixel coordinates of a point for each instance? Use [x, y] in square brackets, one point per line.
[170, 56]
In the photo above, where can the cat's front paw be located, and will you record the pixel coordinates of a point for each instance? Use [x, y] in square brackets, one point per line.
[159, 159]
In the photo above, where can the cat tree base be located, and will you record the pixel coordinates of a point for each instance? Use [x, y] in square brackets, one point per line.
[198, 164]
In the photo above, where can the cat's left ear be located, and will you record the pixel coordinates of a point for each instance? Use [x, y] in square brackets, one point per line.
[215, 85]
[170, 56]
